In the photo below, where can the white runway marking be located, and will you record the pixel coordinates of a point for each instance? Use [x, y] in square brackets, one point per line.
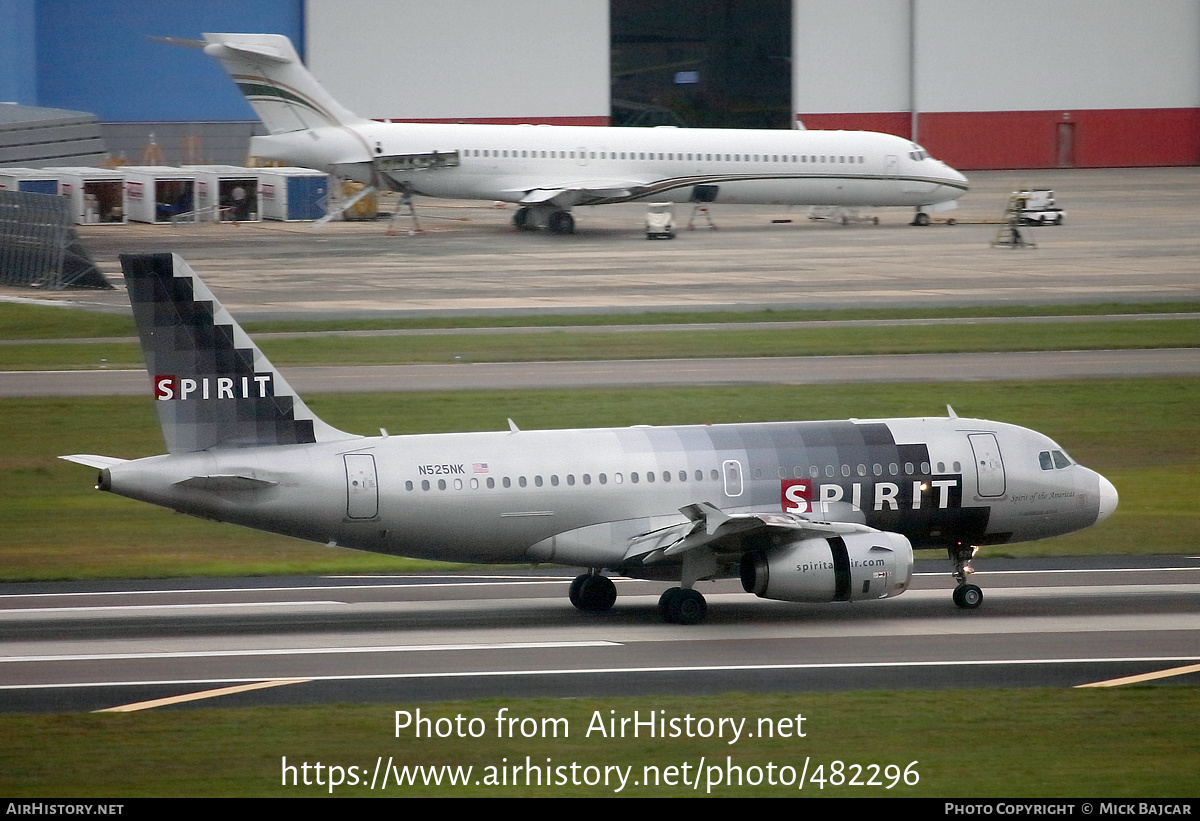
[622, 671]
[305, 651]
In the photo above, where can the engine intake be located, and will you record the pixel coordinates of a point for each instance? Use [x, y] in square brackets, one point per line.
[853, 567]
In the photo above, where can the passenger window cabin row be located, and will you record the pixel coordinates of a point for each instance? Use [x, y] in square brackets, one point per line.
[667, 476]
[668, 156]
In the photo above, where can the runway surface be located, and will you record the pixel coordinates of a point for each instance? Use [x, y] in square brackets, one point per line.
[77, 646]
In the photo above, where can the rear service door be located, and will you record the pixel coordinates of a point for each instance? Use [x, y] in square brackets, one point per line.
[362, 486]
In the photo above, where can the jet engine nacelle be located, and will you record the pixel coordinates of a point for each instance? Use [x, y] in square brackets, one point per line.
[852, 567]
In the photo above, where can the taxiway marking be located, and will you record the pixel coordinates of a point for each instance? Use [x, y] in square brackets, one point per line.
[1168, 673]
[203, 694]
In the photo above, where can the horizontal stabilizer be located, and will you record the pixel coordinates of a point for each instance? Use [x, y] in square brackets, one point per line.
[267, 52]
[91, 461]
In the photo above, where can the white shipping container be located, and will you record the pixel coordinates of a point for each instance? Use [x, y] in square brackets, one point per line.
[159, 193]
[226, 193]
[97, 195]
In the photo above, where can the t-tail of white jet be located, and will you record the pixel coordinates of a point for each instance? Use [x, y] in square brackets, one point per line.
[269, 72]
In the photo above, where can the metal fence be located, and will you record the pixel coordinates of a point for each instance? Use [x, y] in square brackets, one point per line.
[39, 247]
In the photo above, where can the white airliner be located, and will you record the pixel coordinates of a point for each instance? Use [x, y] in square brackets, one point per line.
[550, 169]
[801, 511]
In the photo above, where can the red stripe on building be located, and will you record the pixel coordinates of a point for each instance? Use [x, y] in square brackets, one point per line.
[1090, 138]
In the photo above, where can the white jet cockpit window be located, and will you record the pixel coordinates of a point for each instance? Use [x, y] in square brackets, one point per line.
[918, 153]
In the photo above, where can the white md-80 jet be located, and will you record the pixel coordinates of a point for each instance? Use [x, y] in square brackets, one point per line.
[800, 511]
[548, 170]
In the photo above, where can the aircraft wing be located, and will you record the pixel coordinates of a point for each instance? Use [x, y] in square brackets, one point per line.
[582, 192]
[727, 532]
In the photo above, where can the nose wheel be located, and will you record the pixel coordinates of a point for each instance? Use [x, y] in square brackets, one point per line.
[967, 596]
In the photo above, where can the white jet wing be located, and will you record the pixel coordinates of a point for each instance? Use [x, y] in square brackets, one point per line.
[583, 192]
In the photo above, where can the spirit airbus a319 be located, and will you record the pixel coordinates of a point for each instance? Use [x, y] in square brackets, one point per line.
[801, 511]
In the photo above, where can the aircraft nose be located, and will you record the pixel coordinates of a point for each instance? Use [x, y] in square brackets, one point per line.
[1108, 499]
[956, 177]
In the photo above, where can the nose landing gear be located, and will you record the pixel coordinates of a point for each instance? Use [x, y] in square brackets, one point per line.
[966, 596]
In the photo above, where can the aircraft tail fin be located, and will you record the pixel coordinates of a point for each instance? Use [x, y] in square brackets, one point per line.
[276, 83]
[214, 387]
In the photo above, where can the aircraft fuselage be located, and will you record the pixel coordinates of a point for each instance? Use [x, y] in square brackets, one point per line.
[506, 163]
[580, 496]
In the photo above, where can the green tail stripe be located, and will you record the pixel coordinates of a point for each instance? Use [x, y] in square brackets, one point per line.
[264, 90]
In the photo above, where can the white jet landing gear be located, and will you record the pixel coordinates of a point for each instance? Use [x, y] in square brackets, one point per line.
[561, 222]
[966, 596]
[533, 217]
[593, 593]
[682, 605]
[920, 218]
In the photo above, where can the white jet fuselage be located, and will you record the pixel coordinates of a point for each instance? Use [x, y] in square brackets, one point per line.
[599, 165]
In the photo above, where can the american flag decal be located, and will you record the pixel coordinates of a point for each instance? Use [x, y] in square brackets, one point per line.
[479, 467]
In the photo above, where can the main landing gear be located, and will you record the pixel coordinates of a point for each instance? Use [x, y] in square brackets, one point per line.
[966, 596]
[555, 220]
[592, 592]
[680, 605]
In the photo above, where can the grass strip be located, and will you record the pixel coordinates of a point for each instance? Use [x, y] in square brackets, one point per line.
[26, 321]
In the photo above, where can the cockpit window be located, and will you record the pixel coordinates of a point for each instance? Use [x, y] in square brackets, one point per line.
[918, 153]
[1054, 460]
